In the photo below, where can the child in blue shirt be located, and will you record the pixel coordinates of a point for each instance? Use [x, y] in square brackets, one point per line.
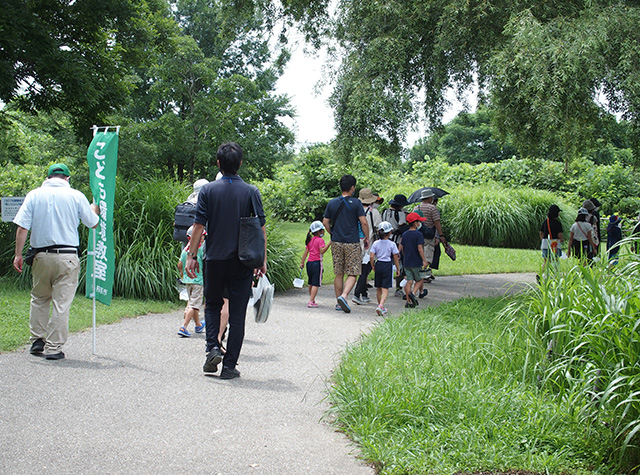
[381, 253]
[414, 261]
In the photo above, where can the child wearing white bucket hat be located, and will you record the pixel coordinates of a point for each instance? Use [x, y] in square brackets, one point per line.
[382, 251]
[315, 247]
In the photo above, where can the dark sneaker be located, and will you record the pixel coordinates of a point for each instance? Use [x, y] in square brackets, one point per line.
[37, 347]
[408, 305]
[357, 300]
[414, 299]
[229, 373]
[423, 294]
[214, 357]
[55, 356]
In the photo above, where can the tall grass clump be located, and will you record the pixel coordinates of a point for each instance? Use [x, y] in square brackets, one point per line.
[146, 254]
[583, 323]
[494, 216]
[448, 390]
[282, 260]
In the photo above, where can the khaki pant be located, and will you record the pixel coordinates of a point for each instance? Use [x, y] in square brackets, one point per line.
[55, 279]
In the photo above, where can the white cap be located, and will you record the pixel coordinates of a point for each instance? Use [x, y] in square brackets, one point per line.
[316, 226]
[385, 227]
[199, 184]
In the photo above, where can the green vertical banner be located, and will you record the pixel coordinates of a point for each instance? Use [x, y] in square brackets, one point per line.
[103, 159]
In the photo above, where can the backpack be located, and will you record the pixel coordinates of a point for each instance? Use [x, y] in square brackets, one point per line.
[398, 220]
[183, 219]
[593, 220]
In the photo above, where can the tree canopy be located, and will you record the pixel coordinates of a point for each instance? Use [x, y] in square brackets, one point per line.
[180, 76]
[77, 56]
[551, 69]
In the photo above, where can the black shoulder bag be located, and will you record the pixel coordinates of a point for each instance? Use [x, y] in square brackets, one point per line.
[251, 243]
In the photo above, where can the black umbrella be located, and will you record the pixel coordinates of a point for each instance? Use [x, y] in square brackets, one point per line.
[437, 192]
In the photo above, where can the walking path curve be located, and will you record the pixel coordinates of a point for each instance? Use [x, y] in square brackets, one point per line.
[142, 404]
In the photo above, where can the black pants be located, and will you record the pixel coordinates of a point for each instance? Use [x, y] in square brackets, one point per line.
[236, 278]
[361, 284]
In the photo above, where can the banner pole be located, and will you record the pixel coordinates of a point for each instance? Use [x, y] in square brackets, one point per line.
[93, 276]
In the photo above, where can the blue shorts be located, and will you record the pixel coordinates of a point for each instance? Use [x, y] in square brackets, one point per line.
[314, 272]
[384, 275]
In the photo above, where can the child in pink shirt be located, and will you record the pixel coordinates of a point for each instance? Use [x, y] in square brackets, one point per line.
[315, 248]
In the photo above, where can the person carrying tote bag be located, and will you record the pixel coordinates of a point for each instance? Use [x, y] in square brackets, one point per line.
[581, 242]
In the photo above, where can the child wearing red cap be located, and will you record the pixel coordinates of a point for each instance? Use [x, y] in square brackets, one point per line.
[412, 247]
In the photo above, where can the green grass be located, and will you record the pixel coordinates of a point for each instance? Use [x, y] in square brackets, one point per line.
[469, 259]
[449, 389]
[14, 313]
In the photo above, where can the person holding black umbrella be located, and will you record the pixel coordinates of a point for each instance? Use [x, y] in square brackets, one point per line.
[432, 215]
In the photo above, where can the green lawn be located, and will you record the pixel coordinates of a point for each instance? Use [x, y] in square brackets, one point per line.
[14, 313]
[469, 259]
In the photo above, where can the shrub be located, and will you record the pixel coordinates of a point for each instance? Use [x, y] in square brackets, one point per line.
[490, 215]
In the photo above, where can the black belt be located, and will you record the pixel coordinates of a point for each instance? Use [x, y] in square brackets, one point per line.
[57, 250]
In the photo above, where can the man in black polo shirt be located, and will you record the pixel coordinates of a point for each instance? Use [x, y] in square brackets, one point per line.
[221, 204]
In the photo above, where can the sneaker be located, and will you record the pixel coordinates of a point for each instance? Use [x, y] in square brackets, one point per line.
[344, 305]
[313, 305]
[214, 357]
[399, 293]
[408, 305]
[404, 296]
[414, 299]
[55, 356]
[358, 300]
[184, 333]
[200, 328]
[384, 311]
[365, 299]
[229, 373]
[423, 294]
[37, 347]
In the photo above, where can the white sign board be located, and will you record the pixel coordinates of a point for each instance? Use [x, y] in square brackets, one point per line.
[10, 207]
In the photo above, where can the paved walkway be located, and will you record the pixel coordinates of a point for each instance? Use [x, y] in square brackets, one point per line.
[142, 404]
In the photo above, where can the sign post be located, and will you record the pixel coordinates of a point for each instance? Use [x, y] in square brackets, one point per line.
[102, 157]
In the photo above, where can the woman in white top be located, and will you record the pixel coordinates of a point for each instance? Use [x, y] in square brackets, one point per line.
[581, 241]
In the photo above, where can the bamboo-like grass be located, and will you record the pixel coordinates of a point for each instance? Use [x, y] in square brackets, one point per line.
[146, 255]
[583, 325]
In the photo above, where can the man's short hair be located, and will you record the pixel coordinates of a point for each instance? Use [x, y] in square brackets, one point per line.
[230, 157]
[346, 182]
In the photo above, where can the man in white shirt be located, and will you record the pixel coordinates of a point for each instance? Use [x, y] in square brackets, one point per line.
[53, 213]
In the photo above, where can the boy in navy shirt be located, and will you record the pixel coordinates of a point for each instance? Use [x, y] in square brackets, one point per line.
[412, 247]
